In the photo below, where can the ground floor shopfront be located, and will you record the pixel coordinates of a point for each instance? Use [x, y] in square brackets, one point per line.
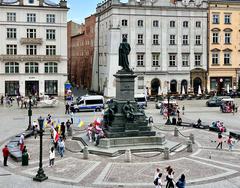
[32, 85]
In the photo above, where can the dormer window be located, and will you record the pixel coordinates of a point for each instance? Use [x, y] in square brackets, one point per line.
[30, 1]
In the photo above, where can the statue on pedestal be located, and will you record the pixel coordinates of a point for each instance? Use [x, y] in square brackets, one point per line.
[128, 111]
[124, 50]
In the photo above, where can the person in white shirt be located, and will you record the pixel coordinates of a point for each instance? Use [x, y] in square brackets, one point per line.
[51, 156]
[159, 181]
[156, 173]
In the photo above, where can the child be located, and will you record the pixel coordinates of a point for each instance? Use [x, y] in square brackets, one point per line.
[51, 156]
[230, 143]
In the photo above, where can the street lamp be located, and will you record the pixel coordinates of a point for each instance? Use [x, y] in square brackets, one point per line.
[29, 113]
[40, 174]
[168, 122]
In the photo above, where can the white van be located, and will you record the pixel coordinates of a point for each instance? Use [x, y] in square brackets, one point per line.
[90, 103]
[141, 100]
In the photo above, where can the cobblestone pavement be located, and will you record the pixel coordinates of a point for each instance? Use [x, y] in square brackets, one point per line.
[204, 167]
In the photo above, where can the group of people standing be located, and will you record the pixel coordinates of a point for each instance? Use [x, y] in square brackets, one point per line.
[170, 183]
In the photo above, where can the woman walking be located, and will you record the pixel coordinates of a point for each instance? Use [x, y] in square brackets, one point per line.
[51, 156]
[220, 141]
[169, 178]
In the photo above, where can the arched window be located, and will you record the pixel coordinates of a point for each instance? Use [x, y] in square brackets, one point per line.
[51, 67]
[11, 67]
[31, 67]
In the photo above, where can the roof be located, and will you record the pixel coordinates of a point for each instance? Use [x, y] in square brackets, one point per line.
[47, 2]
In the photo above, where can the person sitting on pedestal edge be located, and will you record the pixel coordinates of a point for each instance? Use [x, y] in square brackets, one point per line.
[124, 50]
[128, 110]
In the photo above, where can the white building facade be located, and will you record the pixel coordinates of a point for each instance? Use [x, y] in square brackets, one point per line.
[168, 42]
[33, 47]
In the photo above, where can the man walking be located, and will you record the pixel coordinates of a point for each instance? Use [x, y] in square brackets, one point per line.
[5, 155]
[183, 108]
[67, 108]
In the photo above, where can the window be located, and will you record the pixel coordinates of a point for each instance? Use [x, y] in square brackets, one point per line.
[50, 18]
[172, 23]
[198, 24]
[185, 24]
[124, 36]
[155, 39]
[50, 50]
[140, 38]
[155, 60]
[140, 23]
[198, 40]
[11, 67]
[11, 33]
[11, 16]
[51, 87]
[155, 23]
[31, 1]
[124, 22]
[31, 33]
[31, 67]
[140, 59]
[31, 49]
[31, 17]
[227, 38]
[172, 60]
[140, 82]
[50, 34]
[172, 40]
[215, 19]
[215, 38]
[197, 59]
[12, 88]
[227, 19]
[227, 59]
[11, 49]
[185, 40]
[51, 67]
[185, 60]
[214, 58]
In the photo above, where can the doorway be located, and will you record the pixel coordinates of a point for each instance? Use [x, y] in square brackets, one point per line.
[196, 83]
[31, 88]
[173, 86]
[155, 84]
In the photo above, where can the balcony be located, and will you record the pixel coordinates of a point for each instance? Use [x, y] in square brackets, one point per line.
[37, 41]
[29, 58]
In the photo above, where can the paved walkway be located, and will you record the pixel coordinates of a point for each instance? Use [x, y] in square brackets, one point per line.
[205, 167]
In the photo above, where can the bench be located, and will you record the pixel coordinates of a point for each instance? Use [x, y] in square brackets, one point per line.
[185, 124]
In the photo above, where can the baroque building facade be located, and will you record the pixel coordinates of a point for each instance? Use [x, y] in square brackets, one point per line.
[168, 41]
[33, 47]
[224, 67]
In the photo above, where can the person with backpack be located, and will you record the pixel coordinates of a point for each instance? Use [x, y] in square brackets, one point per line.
[181, 182]
[169, 178]
[220, 141]
[158, 181]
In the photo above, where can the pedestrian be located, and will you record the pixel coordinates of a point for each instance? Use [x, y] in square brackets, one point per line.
[158, 181]
[21, 142]
[63, 130]
[68, 124]
[51, 156]
[230, 143]
[156, 173]
[2, 98]
[233, 108]
[183, 108]
[71, 114]
[6, 153]
[178, 113]
[35, 131]
[236, 108]
[169, 178]
[61, 147]
[150, 121]
[181, 182]
[67, 108]
[220, 141]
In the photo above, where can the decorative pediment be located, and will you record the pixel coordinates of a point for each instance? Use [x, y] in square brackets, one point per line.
[215, 29]
[227, 30]
[227, 50]
[215, 50]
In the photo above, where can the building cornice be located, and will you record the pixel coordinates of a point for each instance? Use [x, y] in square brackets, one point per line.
[5, 58]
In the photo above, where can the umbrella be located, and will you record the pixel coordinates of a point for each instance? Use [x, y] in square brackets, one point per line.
[199, 90]
[228, 87]
[183, 90]
[159, 90]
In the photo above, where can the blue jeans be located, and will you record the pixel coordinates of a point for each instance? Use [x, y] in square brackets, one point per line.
[61, 151]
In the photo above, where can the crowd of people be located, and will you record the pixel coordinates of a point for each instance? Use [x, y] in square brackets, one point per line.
[169, 179]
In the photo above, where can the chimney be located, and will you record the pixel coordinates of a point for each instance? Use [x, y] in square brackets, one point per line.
[41, 2]
[21, 2]
[63, 3]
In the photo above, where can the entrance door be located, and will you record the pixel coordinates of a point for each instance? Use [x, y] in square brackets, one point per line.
[155, 84]
[173, 86]
[196, 83]
[31, 88]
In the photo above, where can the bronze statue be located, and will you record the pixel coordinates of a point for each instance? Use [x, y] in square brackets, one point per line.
[124, 50]
[128, 110]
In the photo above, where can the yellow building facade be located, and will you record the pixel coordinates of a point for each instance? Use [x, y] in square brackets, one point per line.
[223, 45]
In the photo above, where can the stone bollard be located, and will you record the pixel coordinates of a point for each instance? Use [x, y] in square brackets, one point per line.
[191, 137]
[166, 153]
[69, 131]
[176, 132]
[128, 156]
[189, 146]
[85, 152]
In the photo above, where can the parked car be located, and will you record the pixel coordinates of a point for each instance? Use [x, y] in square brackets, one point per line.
[216, 101]
[89, 103]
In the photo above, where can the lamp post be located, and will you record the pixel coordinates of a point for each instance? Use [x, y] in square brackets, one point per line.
[40, 174]
[29, 113]
[168, 122]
